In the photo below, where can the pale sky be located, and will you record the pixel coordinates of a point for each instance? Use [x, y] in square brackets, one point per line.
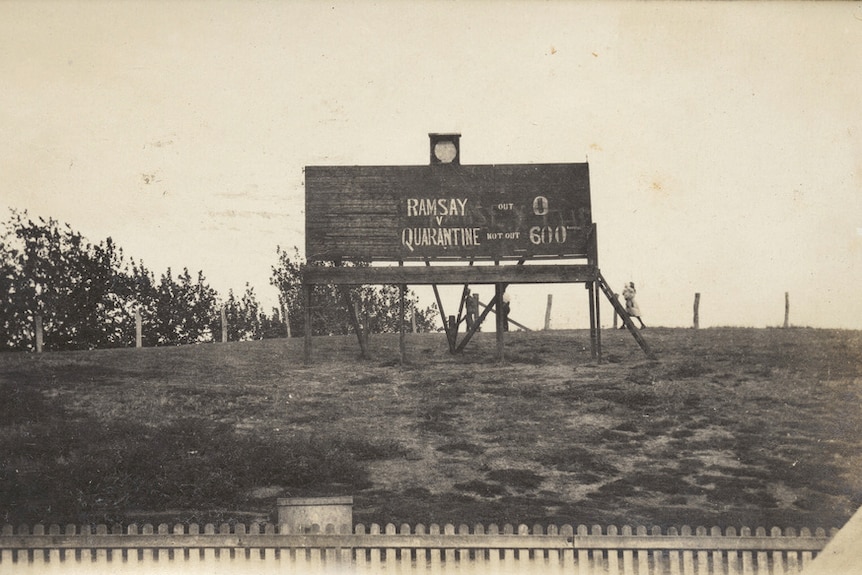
[724, 139]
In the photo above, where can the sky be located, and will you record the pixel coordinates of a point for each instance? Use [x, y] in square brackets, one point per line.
[724, 139]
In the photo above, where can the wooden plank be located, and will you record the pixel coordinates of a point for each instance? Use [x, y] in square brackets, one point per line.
[494, 555]
[361, 555]
[599, 561]
[732, 556]
[642, 554]
[703, 556]
[806, 557]
[582, 553]
[554, 557]
[54, 555]
[449, 552]
[762, 557]
[6, 553]
[718, 557]
[511, 321]
[628, 554]
[449, 275]
[434, 563]
[417, 541]
[658, 557]
[509, 550]
[375, 550]
[525, 561]
[480, 558]
[465, 562]
[747, 557]
[673, 561]
[777, 556]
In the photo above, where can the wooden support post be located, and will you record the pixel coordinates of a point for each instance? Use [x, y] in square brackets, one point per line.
[492, 306]
[452, 332]
[223, 325]
[462, 302]
[412, 319]
[38, 321]
[787, 309]
[354, 321]
[696, 310]
[451, 337]
[306, 350]
[402, 347]
[548, 312]
[446, 324]
[501, 355]
[591, 288]
[139, 329]
[493, 309]
[366, 325]
[597, 300]
[616, 313]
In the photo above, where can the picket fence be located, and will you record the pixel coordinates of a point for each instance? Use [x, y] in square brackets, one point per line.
[274, 549]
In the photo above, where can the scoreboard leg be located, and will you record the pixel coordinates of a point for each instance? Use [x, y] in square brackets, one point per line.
[591, 288]
[306, 350]
[597, 299]
[500, 319]
[402, 346]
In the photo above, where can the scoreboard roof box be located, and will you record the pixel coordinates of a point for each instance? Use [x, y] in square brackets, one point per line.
[447, 211]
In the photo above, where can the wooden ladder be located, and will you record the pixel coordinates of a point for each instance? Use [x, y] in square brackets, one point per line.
[621, 311]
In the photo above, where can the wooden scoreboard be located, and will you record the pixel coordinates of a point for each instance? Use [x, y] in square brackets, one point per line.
[514, 216]
[447, 212]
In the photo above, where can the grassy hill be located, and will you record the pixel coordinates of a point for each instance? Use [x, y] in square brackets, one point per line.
[730, 426]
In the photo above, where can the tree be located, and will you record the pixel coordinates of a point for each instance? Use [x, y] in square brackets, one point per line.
[53, 272]
[244, 319]
[88, 294]
[331, 317]
[272, 326]
[185, 311]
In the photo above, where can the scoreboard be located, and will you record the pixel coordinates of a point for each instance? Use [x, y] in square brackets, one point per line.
[445, 211]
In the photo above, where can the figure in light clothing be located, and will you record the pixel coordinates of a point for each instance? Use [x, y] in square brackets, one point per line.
[632, 308]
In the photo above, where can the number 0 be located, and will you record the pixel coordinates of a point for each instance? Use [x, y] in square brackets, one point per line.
[540, 205]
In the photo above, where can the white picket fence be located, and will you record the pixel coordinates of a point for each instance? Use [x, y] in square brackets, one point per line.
[432, 550]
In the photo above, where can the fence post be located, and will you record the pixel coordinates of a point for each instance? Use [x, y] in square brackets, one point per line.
[38, 320]
[548, 312]
[786, 309]
[286, 317]
[696, 310]
[223, 325]
[139, 329]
